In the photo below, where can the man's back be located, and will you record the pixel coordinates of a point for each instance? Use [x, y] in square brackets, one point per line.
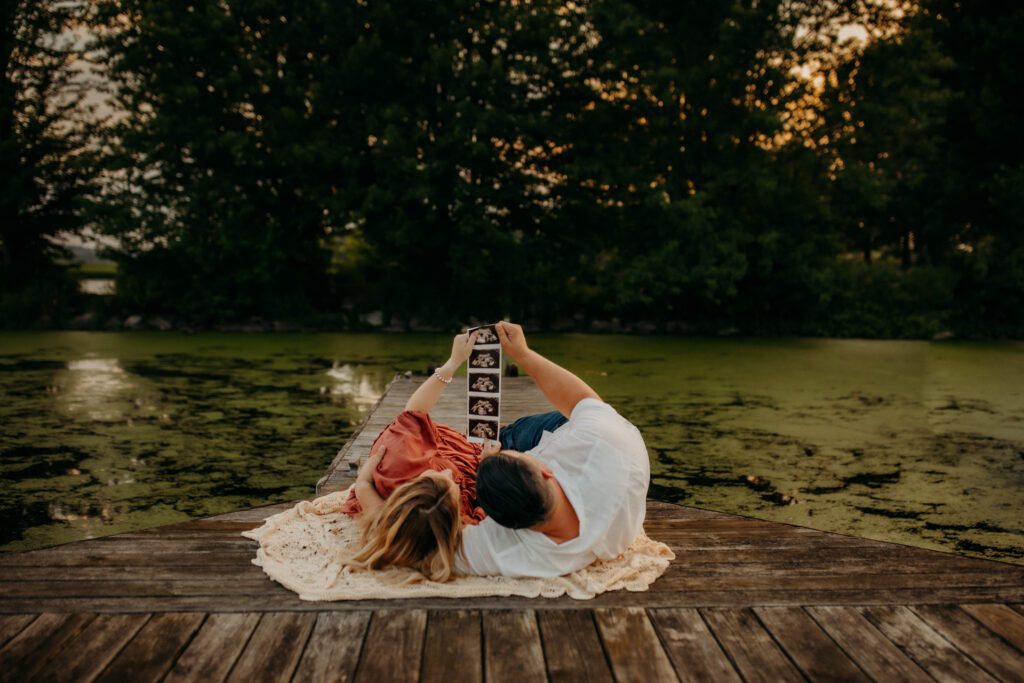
[600, 461]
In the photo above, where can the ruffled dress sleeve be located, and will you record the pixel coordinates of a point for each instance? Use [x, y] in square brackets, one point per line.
[414, 444]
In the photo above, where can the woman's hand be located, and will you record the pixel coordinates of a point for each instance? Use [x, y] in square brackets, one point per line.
[462, 345]
[425, 397]
[366, 492]
[369, 465]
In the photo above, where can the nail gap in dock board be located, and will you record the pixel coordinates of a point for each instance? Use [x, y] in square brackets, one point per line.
[483, 386]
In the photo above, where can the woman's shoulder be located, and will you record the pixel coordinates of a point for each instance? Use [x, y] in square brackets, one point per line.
[416, 428]
[409, 427]
[415, 419]
[420, 415]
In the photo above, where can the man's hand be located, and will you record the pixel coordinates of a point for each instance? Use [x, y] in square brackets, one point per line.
[462, 345]
[562, 388]
[513, 341]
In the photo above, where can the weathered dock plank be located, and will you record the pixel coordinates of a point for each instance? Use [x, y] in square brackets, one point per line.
[756, 654]
[453, 648]
[274, 648]
[810, 648]
[214, 648]
[692, 646]
[1001, 620]
[981, 645]
[28, 651]
[572, 646]
[332, 652]
[632, 645]
[154, 649]
[13, 624]
[92, 650]
[874, 653]
[925, 645]
[400, 635]
[512, 647]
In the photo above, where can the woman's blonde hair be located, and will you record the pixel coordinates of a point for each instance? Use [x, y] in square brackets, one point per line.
[418, 526]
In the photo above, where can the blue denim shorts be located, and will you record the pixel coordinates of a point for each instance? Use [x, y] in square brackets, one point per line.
[525, 433]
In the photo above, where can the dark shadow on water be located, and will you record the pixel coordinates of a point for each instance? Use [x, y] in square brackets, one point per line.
[668, 494]
[891, 514]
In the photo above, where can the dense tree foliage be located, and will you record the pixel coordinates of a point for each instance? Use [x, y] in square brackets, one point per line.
[44, 154]
[848, 168]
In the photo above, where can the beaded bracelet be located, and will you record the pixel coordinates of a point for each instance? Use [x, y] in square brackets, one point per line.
[438, 375]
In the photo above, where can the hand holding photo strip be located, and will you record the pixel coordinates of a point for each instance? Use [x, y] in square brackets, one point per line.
[483, 386]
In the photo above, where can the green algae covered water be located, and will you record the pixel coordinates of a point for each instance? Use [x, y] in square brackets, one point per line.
[914, 442]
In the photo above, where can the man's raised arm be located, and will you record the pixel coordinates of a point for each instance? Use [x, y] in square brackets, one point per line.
[562, 388]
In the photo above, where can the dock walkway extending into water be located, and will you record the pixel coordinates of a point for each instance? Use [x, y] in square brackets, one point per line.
[745, 600]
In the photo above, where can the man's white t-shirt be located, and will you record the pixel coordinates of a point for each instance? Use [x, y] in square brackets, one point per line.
[600, 461]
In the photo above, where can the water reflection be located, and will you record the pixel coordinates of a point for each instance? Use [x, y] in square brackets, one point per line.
[114, 432]
[353, 383]
[97, 389]
[87, 520]
[98, 286]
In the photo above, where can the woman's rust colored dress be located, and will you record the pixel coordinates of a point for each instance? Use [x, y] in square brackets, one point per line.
[414, 444]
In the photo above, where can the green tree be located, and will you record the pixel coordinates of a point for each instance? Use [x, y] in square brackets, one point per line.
[45, 153]
[980, 200]
[465, 204]
[710, 162]
[678, 141]
[416, 136]
[229, 166]
[882, 121]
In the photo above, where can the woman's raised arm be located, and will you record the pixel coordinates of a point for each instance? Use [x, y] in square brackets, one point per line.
[425, 397]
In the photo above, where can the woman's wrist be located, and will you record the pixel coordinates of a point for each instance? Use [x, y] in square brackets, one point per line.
[448, 369]
[365, 475]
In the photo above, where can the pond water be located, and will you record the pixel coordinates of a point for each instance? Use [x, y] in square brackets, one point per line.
[915, 442]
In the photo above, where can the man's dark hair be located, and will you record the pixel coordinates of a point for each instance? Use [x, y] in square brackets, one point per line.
[512, 492]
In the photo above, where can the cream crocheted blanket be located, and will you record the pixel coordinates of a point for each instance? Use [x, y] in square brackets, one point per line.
[304, 550]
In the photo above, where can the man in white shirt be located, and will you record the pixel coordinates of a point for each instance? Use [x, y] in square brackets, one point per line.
[576, 496]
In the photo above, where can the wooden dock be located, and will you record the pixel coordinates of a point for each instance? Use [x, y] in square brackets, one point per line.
[745, 600]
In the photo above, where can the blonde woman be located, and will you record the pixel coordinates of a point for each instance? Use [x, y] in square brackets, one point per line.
[417, 489]
[417, 526]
